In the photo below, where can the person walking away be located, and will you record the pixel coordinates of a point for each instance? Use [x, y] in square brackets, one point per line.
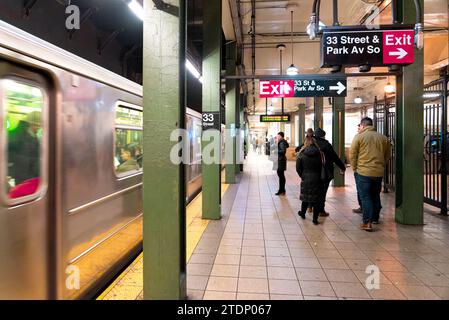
[308, 167]
[369, 154]
[267, 147]
[254, 143]
[331, 158]
[259, 145]
[282, 162]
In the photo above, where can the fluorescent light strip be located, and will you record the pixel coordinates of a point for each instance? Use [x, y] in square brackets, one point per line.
[194, 71]
[136, 8]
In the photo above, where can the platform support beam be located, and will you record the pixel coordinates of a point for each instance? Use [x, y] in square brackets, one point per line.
[301, 124]
[410, 127]
[164, 260]
[318, 103]
[338, 136]
[232, 110]
[212, 33]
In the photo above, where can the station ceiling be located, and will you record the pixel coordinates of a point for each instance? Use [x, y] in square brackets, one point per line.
[111, 36]
[273, 27]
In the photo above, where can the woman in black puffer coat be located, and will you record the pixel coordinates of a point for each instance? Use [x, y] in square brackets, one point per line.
[308, 167]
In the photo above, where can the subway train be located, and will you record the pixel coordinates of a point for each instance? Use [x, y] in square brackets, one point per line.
[70, 170]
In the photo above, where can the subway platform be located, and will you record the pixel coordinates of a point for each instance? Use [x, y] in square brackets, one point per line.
[261, 249]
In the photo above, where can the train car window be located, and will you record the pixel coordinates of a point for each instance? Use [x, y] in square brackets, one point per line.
[128, 140]
[23, 128]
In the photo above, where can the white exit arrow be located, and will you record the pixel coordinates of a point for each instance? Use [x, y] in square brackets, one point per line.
[340, 87]
[401, 53]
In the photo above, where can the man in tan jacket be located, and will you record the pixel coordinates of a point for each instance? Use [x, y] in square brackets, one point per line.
[369, 154]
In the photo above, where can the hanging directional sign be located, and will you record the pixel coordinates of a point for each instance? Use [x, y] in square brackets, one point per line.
[303, 87]
[373, 47]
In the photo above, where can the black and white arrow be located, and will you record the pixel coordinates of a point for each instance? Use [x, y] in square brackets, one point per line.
[401, 53]
[340, 87]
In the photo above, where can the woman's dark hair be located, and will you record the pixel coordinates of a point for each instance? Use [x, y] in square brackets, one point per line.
[281, 134]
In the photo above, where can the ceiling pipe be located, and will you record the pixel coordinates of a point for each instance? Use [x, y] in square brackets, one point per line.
[336, 22]
[253, 49]
[237, 22]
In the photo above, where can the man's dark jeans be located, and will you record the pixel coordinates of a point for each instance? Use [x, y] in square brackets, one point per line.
[282, 180]
[369, 189]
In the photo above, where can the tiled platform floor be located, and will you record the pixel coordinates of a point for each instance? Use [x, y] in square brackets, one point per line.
[261, 249]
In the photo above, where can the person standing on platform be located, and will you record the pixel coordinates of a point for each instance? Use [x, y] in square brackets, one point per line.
[282, 162]
[309, 134]
[267, 147]
[369, 154]
[308, 166]
[331, 157]
[359, 209]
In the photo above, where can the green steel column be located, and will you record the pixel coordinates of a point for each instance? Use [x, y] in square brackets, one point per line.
[318, 103]
[338, 136]
[232, 102]
[410, 133]
[302, 123]
[164, 261]
[237, 127]
[242, 131]
[211, 103]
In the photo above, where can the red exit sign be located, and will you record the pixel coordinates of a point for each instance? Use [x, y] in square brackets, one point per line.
[276, 88]
[398, 47]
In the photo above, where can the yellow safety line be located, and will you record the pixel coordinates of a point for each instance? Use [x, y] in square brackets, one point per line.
[192, 242]
[120, 277]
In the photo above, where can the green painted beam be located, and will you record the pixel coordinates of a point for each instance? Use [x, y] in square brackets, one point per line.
[164, 271]
[409, 133]
[302, 123]
[212, 32]
[338, 137]
[318, 105]
[232, 103]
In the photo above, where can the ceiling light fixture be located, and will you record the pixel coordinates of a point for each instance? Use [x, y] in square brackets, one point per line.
[137, 8]
[292, 70]
[389, 88]
[358, 100]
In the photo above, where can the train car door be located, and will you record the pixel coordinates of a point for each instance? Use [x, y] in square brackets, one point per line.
[25, 181]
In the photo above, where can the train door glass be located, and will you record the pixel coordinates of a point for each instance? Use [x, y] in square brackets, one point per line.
[24, 135]
[128, 140]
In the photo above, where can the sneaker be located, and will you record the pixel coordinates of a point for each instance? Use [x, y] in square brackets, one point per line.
[376, 222]
[366, 227]
[358, 210]
[316, 222]
[324, 214]
[301, 215]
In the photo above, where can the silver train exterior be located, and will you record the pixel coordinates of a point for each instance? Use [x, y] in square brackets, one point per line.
[84, 223]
